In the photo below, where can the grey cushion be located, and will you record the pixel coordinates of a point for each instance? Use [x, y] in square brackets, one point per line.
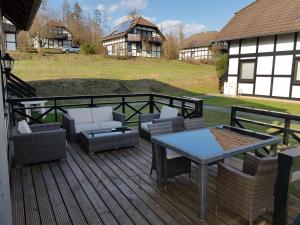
[23, 127]
[81, 115]
[79, 127]
[109, 124]
[171, 154]
[102, 114]
[168, 112]
[145, 127]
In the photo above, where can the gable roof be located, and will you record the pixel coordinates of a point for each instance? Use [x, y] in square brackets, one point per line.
[199, 40]
[125, 27]
[262, 18]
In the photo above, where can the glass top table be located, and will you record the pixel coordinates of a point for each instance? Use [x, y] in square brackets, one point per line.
[209, 145]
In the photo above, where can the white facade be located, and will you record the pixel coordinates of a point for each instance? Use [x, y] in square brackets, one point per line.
[134, 44]
[201, 53]
[266, 66]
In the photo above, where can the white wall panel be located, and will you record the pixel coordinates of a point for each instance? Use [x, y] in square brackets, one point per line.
[296, 92]
[285, 42]
[283, 65]
[245, 88]
[263, 85]
[11, 46]
[233, 66]
[266, 44]
[264, 65]
[230, 86]
[281, 87]
[248, 46]
[234, 48]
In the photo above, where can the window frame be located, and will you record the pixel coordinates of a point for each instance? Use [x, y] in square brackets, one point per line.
[295, 80]
[241, 61]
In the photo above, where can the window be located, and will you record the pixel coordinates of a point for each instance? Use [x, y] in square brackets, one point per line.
[297, 71]
[138, 48]
[247, 70]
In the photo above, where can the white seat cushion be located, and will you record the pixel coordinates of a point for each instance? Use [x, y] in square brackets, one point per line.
[109, 124]
[81, 115]
[102, 114]
[144, 126]
[171, 154]
[23, 127]
[79, 127]
[168, 112]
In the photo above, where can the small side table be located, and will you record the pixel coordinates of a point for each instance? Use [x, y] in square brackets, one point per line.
[28, 104]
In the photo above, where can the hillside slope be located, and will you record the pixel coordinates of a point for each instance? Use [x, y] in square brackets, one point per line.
[72, 74]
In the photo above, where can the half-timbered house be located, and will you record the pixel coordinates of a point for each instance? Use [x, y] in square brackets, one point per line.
[134, 37]
[57, 37]
[264, 50]
[200, 46]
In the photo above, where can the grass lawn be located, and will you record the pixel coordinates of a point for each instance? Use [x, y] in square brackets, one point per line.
[282, 106]
[73, 74]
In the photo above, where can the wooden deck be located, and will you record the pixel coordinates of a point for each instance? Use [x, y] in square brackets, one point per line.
[113, 188]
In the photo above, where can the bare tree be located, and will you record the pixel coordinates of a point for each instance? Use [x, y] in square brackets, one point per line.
[39, 28]
[171, 46]
[66, 9]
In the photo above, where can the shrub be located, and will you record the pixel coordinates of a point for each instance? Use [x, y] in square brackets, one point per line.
[221, 64]
[88, 49]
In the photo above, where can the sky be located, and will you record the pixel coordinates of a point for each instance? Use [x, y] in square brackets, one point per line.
[192, 16]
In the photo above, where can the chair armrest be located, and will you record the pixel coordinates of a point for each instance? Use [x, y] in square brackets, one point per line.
[44, 127]
[143, 118]
[177, 122]
[54, 137]
[119, 117]
[68, 123]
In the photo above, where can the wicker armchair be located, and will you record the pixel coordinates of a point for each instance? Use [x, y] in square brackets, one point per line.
[176, 122]
[175, 164]
[47, 142]
[193, 124]
[250, 192]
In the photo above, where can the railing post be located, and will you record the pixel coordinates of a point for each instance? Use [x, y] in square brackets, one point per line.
[92, 102]
[123, 104]
[286, 159]
[13, 114]
[198, 109]
[151, 103]
[286, 135]
[183, 108]
[233, 116]
[55, 110]
[171, 102]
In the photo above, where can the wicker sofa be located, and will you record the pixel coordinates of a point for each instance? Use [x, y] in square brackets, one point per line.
[43, 142]
[250, 192]
[166, 114]
[86, 119]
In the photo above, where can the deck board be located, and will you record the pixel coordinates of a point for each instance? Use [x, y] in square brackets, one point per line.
[115, 187]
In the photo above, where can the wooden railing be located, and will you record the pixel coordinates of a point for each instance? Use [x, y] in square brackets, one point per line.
[19, 88]
[129, 104]
[288, 163]
[285, 129]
